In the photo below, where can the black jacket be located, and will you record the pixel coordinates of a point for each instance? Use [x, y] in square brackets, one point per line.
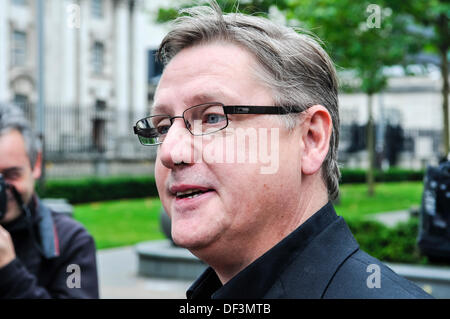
[320, 259]
[46, 274]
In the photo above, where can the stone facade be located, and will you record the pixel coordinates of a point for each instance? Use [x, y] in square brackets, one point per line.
[95, 55]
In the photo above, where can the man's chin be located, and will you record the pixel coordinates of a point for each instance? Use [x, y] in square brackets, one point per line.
[187, 243]
[192, 243]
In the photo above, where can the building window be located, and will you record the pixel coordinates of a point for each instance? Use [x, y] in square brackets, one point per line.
[155, 68]
[97, 8]
[19, 48]
[98, 57]
[99, 127]
[100, 105]
[21, 100]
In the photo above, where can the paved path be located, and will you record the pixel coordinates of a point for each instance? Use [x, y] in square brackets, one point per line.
[391, 218]
[118, 278]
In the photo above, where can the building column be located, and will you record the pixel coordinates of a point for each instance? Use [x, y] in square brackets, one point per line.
[4, 53]
[82, 56]
[121, 64]
[70, 25]
[139, 61]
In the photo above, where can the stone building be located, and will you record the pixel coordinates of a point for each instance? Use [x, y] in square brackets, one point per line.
[95, 72]
[413, 104]
[94, 56]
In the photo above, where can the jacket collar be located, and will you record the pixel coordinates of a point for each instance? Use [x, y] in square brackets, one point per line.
[47, 231]
[316, 265]
[313, 253]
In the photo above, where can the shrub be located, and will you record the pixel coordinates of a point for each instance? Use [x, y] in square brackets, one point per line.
[391, 175]
[99, 189]
[389, 244]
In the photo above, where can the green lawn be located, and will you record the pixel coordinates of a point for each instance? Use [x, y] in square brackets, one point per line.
[388, 197]
[121, 222]
[126, 222]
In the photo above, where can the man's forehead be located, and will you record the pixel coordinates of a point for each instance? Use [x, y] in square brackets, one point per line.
[215, 72]
[12, 148]
[12, 142]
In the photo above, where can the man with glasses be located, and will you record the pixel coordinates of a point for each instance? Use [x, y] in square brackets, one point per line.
[236, 87]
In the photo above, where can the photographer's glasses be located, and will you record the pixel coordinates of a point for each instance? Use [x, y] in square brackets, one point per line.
[200, 119]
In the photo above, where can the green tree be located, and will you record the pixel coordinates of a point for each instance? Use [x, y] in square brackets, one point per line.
[363, 37]
[433, 15]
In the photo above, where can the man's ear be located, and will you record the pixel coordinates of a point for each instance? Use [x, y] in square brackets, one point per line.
[316, 132]
[37, 169]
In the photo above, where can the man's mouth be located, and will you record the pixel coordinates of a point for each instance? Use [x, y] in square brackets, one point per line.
[190, 196]
[191, 193]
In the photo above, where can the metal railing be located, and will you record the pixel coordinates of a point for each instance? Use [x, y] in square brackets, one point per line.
[90, 133]
[74, 132]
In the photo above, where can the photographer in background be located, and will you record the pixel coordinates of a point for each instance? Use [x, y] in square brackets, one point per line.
[43, 254]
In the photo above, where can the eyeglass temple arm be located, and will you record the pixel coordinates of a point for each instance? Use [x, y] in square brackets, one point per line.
[251, 109]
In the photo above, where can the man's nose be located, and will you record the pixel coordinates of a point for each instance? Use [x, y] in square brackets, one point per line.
[177, 146]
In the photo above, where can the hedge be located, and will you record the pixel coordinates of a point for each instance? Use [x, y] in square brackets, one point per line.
[99, 189]
[389, 244]
[391, 175]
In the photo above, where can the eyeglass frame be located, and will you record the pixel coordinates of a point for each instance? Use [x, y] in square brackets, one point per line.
[227, 109]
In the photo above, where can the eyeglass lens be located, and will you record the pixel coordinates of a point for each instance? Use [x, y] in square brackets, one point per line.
[199, 120]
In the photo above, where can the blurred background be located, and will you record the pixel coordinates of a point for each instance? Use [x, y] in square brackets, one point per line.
[84, 71]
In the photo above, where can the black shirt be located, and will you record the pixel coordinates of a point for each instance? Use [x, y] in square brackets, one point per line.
[320, 259]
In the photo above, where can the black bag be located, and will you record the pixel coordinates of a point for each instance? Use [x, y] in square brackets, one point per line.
[434, 229]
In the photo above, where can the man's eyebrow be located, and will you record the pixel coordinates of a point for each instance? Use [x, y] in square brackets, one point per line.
[213, 96]
[9, 170]
[216, 95]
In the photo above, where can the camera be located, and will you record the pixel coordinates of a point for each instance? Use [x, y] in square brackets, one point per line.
[2, 197]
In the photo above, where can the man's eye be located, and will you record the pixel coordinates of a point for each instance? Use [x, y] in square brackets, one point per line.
[213, 118]
[11, 176]
[148, 133]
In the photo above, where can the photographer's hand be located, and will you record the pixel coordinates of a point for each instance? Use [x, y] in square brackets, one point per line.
[7, 252]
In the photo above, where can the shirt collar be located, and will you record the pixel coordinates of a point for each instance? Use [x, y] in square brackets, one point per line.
[257, 278]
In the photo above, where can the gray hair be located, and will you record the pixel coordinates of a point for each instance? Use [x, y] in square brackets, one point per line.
[12, 118]
[289, 62]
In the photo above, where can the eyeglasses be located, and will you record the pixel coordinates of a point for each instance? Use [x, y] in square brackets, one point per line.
[200, 119]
